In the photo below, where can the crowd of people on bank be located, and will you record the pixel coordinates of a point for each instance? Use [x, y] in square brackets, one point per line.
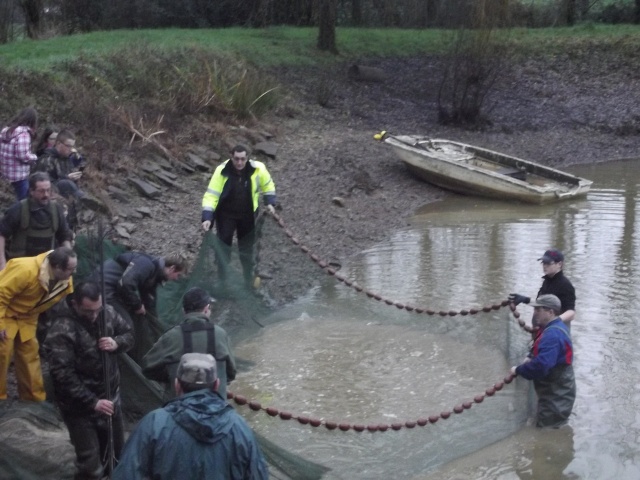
[80, 334]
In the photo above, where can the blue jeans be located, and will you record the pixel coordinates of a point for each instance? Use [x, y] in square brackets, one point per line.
[21, 188]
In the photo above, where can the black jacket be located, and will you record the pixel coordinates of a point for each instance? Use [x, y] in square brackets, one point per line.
[132, 278]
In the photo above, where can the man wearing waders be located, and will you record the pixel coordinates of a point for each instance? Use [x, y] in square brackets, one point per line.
[196, 334]
[231, 202]
[549, 365]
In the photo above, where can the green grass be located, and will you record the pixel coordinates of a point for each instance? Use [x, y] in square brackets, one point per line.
[294, 46]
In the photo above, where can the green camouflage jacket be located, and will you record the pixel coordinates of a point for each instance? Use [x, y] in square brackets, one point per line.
[75, 362]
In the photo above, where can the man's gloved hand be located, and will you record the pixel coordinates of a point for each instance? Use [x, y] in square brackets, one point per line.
[206, 225]
[517, 299]
[271, 209]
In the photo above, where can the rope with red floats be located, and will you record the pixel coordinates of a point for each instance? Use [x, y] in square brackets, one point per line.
[410, 308]
[345, 427]
[521, 322]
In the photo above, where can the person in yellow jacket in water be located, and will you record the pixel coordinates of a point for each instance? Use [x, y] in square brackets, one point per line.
[28, 287]
[232, 202]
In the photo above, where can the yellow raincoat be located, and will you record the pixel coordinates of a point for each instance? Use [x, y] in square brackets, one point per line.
[24, 294]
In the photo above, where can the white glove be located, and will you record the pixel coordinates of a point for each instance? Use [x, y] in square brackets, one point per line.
[206, 225]
[271, 209]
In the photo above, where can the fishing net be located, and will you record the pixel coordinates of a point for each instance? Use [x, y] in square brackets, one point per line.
[291, 280]
[33, 438]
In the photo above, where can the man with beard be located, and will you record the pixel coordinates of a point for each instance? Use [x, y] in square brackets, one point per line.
[35, 224]
[78, 345]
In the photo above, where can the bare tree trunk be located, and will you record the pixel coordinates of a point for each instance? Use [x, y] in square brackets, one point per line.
[356, 12]
[432, 11]
[327, 12]
[570, 12]
[6, 20]
[32, 10]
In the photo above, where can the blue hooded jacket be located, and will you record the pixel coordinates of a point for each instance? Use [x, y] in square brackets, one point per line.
[196, 436]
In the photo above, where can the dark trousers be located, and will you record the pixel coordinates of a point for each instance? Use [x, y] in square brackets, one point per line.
[246, 231]
[89, 436]
[21, 187]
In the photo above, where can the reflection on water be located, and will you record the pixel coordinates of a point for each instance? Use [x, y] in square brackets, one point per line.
[461, 253]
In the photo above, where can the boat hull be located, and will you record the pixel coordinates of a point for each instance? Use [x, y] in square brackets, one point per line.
[472, 170]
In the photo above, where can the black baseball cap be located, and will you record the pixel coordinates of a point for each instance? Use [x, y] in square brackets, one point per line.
[552, 255]
[196, 299]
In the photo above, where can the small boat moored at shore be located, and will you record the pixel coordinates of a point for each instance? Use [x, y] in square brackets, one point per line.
[471, 170]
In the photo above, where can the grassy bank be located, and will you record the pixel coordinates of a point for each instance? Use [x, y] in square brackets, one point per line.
[296, 46]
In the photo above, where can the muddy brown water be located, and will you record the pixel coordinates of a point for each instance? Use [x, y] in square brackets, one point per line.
[338, 355]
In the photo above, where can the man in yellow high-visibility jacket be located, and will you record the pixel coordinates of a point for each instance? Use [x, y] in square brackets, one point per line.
[232, 201]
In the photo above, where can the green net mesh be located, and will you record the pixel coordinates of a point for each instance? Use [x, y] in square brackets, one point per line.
[240, 309]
